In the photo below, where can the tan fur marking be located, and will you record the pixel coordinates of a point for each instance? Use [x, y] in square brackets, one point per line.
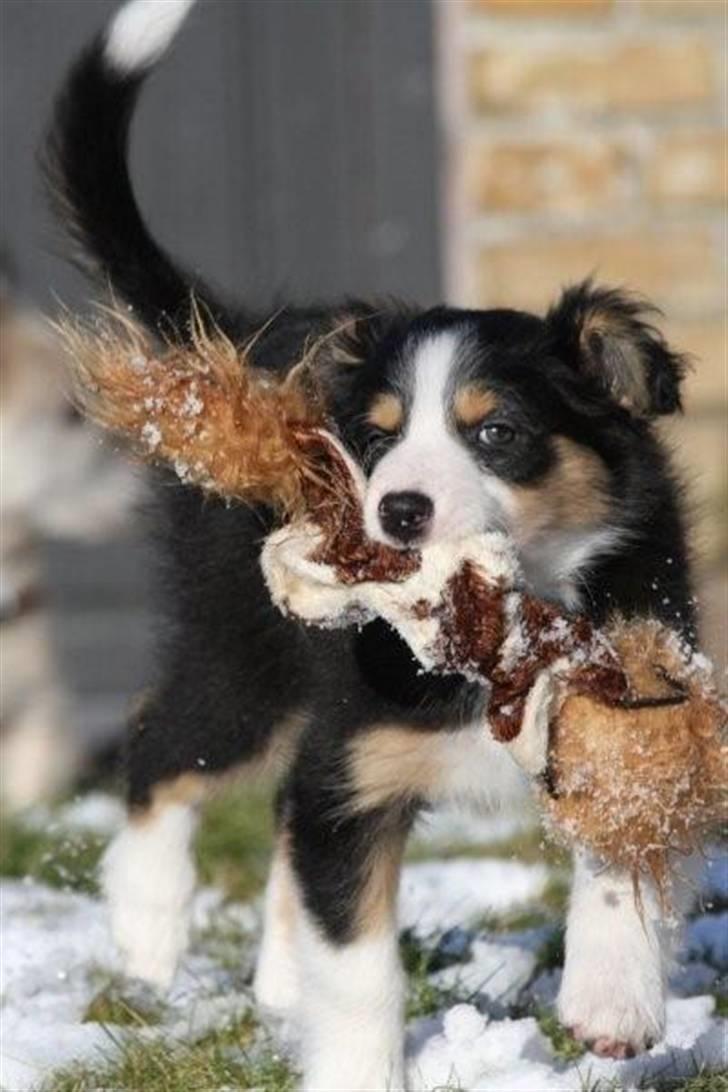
[573, 494]
[618, 358]
[472, 403]
[386, 412]
[286, 895]
[194, 789]
[393, 763]
[189, 788]
[377, 904]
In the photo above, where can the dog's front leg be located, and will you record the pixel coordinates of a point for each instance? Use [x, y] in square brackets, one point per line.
[346, 868]
[352, 1011]
[617, 958]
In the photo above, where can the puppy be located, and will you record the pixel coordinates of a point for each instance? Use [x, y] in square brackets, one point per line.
[462, 421]
[57, 480]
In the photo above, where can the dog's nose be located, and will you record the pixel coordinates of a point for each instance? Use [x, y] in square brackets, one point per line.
[405, 516]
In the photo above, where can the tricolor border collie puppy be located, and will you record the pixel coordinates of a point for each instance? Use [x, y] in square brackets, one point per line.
[463, 421]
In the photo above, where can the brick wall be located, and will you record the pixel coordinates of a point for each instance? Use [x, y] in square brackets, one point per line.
[589, 135]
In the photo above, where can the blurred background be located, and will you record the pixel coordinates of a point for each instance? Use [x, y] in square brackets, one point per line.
[482, 151]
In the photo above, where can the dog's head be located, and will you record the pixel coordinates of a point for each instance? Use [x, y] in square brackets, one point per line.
[475, 420]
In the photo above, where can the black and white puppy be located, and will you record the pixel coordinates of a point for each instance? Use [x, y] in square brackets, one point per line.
[463, 421]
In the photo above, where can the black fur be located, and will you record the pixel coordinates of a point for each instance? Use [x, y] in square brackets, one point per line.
[230, 668]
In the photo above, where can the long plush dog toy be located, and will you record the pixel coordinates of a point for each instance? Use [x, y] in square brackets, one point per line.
[621, 729]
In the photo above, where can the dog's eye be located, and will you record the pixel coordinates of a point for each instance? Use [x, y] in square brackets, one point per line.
[496, 435]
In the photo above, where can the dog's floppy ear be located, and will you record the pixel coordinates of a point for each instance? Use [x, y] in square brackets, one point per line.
[605, 333]
[359, 331]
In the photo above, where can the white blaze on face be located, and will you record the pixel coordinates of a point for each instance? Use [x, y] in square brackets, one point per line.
[432, 460]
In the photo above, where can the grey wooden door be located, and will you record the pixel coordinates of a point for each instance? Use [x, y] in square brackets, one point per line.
[285, 147]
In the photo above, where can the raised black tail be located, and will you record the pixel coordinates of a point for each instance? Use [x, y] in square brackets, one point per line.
[86, 164]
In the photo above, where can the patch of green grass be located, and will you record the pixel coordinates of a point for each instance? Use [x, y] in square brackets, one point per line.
[63, 859]
[721, 1004]
[112, 1005]
[555, 896]
[233, 847]
[564, 1045]
[225, 941]
[424, 997]
[225, 1059]
[550, 954]
[234, 844]
[529, 845]
[702, 1081]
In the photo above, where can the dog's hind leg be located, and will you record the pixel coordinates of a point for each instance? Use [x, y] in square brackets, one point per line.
[148, 877]
[148, 873]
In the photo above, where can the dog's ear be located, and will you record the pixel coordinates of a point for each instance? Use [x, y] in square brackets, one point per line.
[606, 334]
[360, 331]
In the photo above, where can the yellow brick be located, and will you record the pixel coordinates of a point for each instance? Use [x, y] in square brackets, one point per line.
[678, 269]
[713, 617]
[706, 386]
[699, 443]
[671, 9]
[542, 8]
[622, 76]
[688, 167]
[568, 177]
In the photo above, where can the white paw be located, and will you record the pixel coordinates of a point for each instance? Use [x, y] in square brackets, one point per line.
[149, 880]
[150, 942]
[616, 1015]
[345, 1071]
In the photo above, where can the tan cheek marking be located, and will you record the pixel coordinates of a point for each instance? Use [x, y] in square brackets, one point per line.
[393, 763]
[386, 412]
[472, 403]
[575, 493]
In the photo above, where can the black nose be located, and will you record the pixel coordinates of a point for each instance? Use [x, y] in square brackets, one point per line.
[405, 516]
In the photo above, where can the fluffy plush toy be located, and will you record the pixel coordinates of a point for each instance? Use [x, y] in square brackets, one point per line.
[621, 728]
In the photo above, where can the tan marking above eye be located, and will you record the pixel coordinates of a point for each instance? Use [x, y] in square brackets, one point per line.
[386, 412]
[472, 403]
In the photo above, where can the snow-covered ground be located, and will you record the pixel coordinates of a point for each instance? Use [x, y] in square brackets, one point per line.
[56, 952]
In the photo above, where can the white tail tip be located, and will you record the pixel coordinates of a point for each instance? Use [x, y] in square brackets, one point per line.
[141, 32]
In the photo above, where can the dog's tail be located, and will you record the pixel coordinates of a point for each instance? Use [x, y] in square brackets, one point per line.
[87, 166]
